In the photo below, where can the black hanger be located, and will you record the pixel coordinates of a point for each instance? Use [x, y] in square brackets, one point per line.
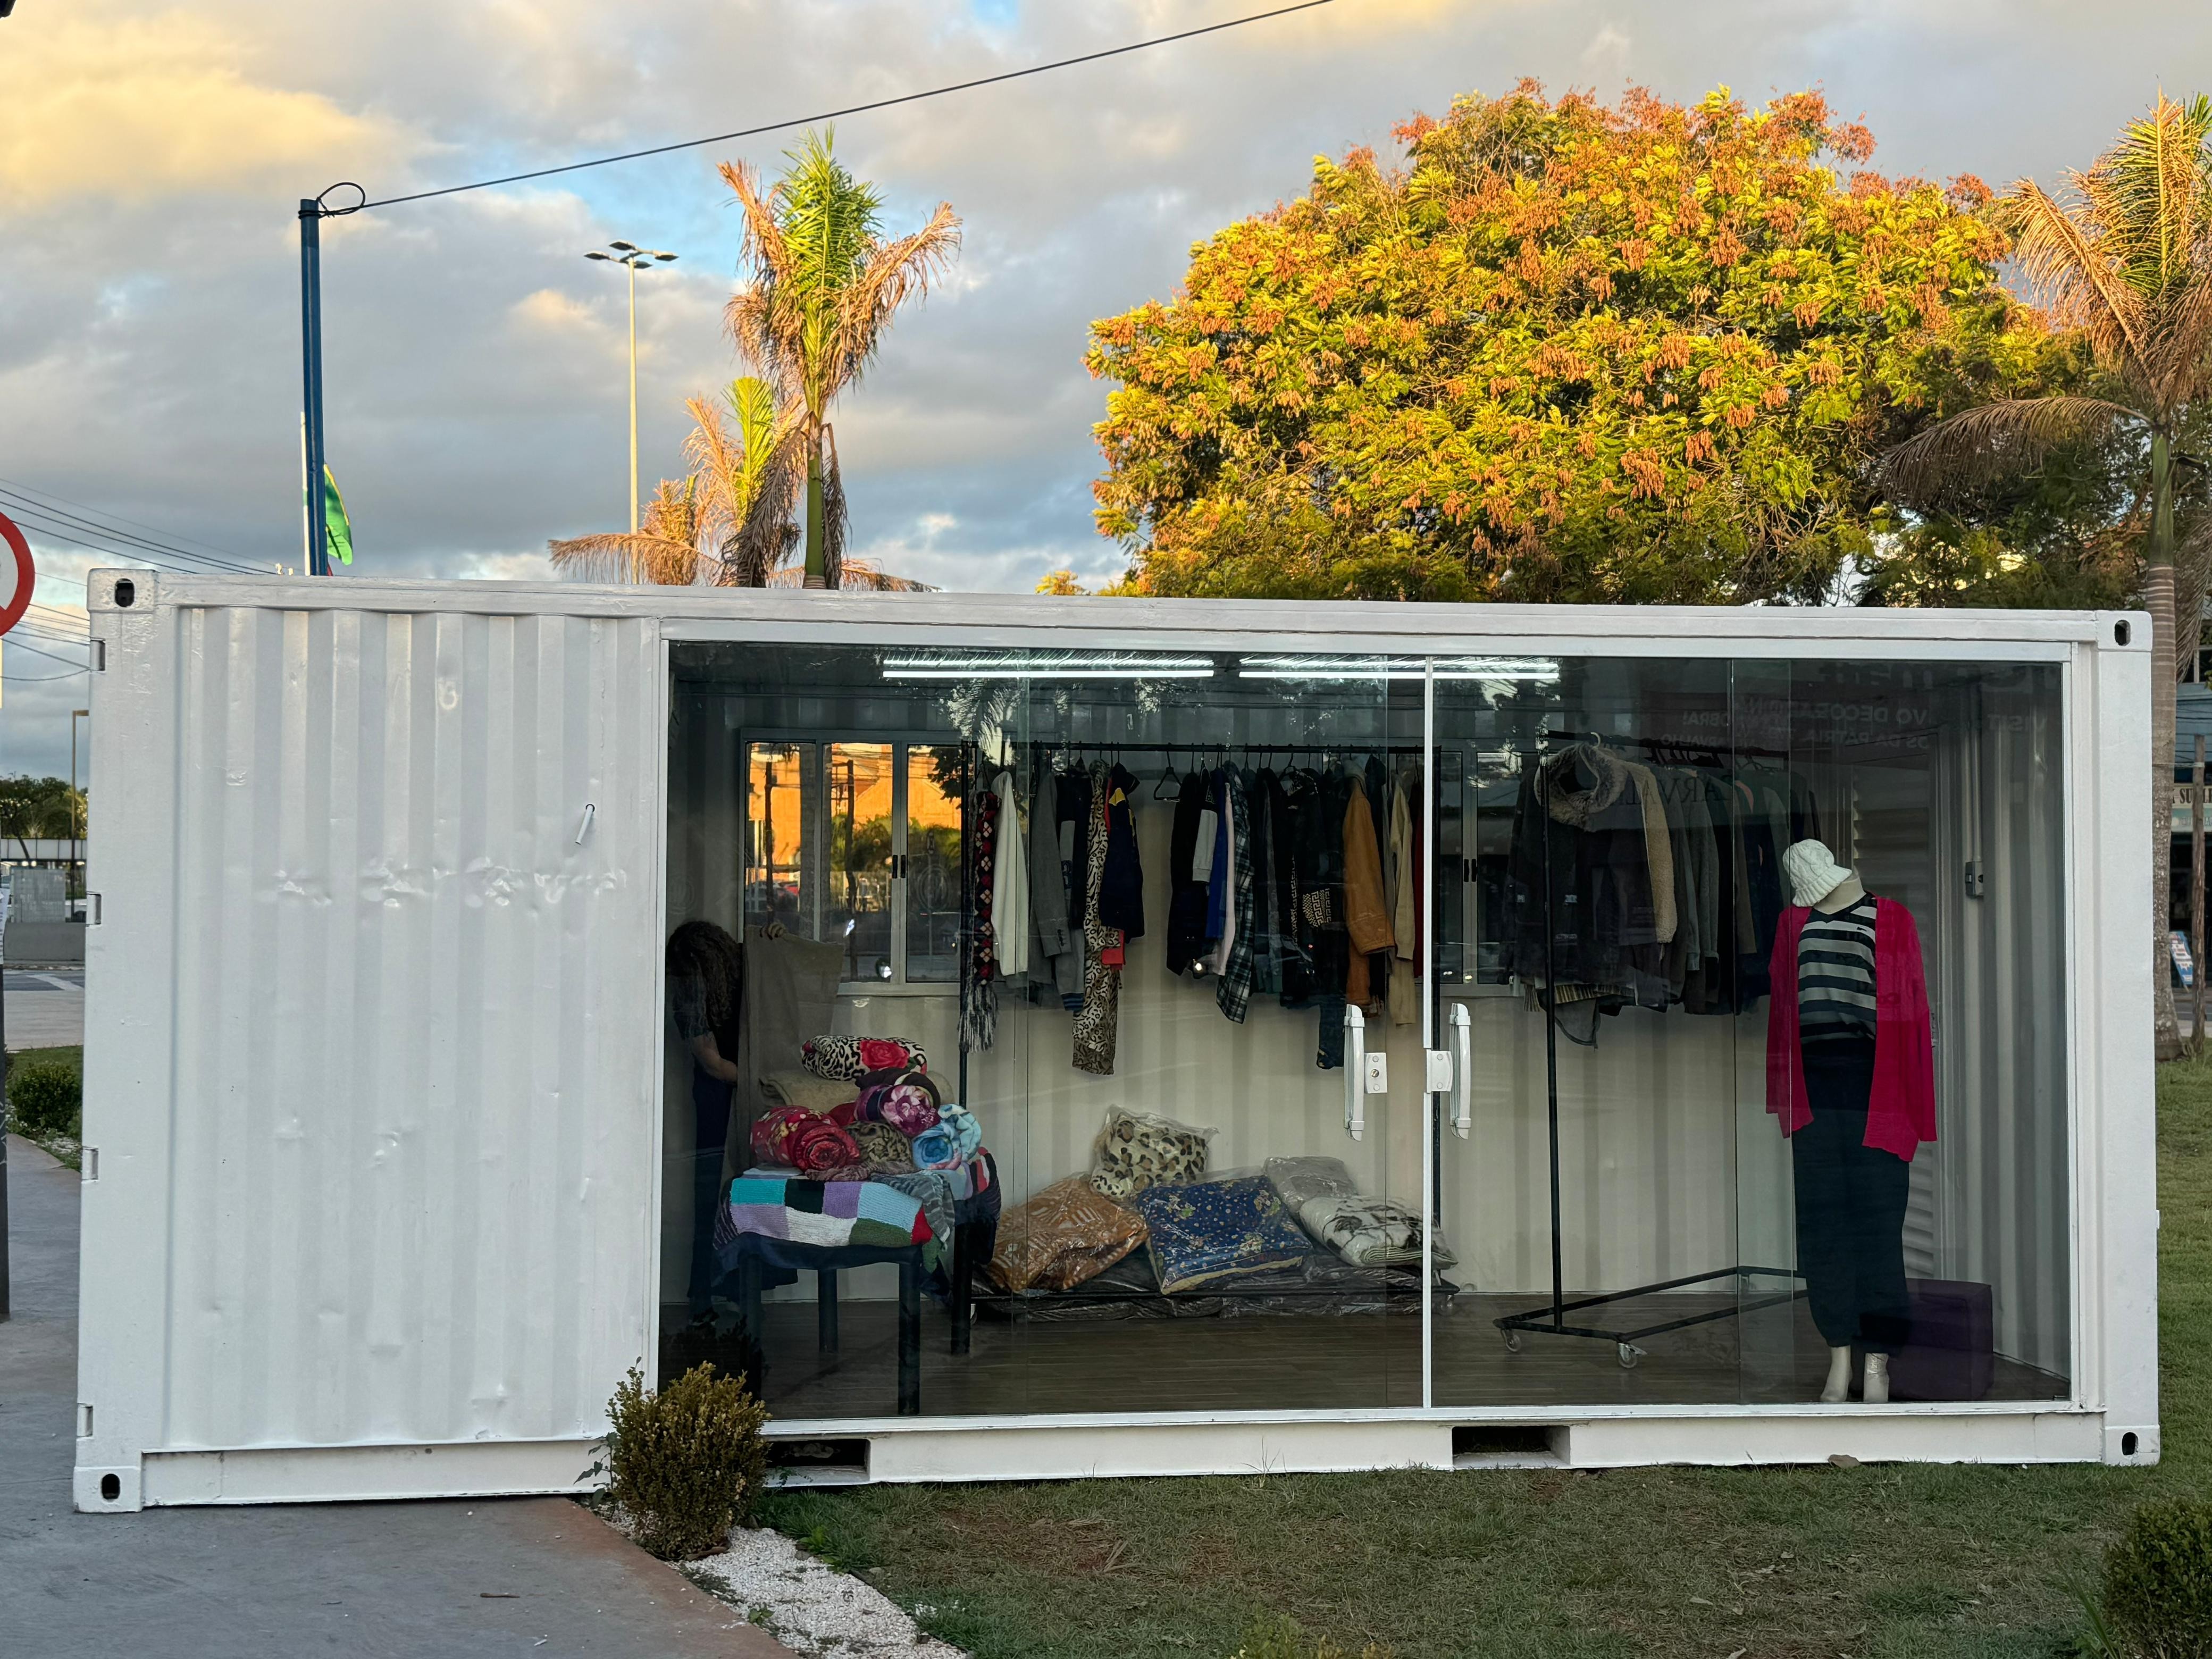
[1168, 776]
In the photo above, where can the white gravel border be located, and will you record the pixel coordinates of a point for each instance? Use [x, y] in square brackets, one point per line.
[809, 1606]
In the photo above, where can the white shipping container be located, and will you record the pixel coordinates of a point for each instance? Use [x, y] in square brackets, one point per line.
[376, 1037]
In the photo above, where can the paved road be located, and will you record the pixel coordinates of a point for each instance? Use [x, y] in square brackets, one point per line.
[278, 1582]
[45, 1007]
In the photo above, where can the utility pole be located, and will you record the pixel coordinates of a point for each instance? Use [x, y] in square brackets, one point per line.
[311, 381]
[313, 210]
[630, 256]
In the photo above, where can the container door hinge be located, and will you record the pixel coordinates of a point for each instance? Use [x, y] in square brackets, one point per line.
[89, 1158]
[92, 900]
[83, 1421]
[1977, 878]
[100, 656]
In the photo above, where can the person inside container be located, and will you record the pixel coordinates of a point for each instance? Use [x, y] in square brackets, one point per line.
[706, 978]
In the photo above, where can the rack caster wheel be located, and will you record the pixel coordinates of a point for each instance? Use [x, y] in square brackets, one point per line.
[1513, 1342]
[1629, 1355]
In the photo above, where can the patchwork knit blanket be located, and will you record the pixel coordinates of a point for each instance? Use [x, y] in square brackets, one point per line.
[836, 1214]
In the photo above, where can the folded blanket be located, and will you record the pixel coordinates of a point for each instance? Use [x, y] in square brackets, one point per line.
[1203, 1232]
[816, 1094]
[1064, 1234]
[954, 1138]
[850, 1058]
[836, 1214]
[1367, 1232]
[883, 1148]
[907, 1100]
[818, 1146]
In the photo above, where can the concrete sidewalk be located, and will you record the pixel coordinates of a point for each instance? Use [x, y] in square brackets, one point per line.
[534, 1576]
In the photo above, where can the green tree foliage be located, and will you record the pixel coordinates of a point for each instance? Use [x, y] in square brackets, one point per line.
[1566, 352]
[32, 808]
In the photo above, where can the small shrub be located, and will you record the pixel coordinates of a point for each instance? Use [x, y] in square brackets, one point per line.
[1280, 1639]
[2158, 1582]
[45, 1098]
[688, 1463]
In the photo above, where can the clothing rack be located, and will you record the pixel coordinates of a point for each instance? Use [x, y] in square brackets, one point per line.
[1551, 1319]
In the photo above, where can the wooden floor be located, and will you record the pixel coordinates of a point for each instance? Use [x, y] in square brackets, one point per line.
[1264, 1362]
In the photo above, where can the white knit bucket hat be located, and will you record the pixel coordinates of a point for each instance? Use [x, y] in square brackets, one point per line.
[1812, 871]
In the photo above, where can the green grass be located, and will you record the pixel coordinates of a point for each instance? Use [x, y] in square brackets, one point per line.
[1878, 1562]
[71, 1056]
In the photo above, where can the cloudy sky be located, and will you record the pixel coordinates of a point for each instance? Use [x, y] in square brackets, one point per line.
[154, 154]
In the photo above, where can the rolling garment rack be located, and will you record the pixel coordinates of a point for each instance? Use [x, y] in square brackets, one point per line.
[1551, 1319]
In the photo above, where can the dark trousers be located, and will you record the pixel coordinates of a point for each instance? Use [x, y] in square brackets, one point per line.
[706, 1199]
[1851, 1207]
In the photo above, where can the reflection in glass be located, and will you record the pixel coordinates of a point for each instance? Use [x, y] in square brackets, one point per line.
[861, 787]
[933, 777]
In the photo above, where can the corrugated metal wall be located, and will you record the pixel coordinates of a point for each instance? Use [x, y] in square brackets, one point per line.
[415, 1024]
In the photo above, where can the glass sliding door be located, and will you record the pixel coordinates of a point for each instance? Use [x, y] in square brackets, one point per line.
[1586, 1180]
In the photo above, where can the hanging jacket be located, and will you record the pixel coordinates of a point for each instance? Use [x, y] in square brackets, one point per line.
[1121, 886]
[1291, 867]
[1186, 898]
[1901, 1106]
[1260, 834]
[1055, 946]
[1010, 885]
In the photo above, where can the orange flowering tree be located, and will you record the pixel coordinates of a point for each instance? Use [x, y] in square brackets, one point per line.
[1563, 352]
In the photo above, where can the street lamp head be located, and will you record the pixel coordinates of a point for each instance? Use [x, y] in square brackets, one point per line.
[665, 259]
[624, 248]
[596, 254]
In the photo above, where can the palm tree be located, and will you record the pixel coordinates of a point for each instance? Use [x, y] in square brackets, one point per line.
[2123, 252]
[743, 475]
[824, 287]
[665, 549]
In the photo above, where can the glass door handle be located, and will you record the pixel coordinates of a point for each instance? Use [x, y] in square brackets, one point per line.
[1462, 1053]
[1355, 1071]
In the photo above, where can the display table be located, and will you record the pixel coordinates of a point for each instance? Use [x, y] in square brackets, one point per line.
[755, 1241]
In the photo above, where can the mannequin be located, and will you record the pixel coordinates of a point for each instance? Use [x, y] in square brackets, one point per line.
[1856, 1095]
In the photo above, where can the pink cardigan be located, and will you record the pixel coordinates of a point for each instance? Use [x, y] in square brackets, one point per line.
[1901, 1109]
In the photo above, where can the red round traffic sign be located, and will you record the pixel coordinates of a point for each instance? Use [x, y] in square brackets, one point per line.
[27, 576]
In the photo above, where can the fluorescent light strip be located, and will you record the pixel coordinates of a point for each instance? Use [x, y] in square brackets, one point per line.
[1031, 668]
[1395, 668]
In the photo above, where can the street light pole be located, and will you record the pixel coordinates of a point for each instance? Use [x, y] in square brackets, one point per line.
[630, 255]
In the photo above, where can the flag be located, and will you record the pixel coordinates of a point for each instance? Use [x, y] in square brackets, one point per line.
[337, 529]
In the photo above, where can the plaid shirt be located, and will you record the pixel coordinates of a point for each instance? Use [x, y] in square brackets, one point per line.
[1234, 992]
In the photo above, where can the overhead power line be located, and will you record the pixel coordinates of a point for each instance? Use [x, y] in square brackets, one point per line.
[831, 114]
[13, 643]
[72, 526]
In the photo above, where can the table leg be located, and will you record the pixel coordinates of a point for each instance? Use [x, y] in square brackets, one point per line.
[964, 1272]
[910, 1340]
[825, 1310]
[749, 1312]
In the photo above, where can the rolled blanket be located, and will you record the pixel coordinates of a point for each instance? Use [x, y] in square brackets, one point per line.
[850, 1058]
[883, 1148]
[819, 1145]
[907, 1100]
[949, 1142]
[798, 1088]
[772, 1133]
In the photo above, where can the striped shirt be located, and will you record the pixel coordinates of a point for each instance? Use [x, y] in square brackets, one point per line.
[1835, 976]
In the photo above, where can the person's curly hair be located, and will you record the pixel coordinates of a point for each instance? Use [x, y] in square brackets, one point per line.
[701, 950]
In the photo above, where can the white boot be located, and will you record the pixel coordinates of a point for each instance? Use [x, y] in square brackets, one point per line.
[1875, 1390]
[1838, 1386]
